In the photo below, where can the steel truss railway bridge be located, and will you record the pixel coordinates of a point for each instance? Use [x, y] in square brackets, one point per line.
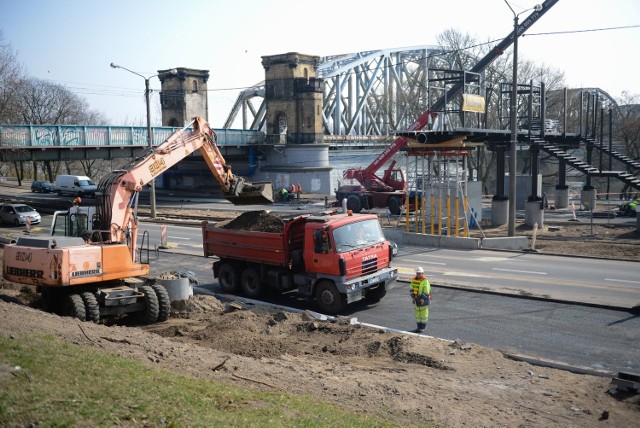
[372, 96]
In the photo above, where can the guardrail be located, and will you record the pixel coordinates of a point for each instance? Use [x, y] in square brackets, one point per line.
[71, 136]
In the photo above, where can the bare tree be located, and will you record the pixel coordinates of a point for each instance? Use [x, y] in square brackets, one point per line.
[627, 132]
[11, 74]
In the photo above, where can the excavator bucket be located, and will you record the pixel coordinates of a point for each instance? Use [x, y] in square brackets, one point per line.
[246, 193]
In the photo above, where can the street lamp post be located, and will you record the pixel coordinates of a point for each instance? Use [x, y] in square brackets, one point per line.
[513, 164]
[147, 92]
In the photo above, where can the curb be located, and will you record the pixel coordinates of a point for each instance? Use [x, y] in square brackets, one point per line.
[534, 361]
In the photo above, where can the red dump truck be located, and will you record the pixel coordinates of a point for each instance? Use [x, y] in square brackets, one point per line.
[335, 258]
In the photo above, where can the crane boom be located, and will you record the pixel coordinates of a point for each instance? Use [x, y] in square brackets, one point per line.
[368, 178]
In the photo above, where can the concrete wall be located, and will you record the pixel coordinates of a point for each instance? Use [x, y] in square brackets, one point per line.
[523, 188]
[307, 164]
[515, 243]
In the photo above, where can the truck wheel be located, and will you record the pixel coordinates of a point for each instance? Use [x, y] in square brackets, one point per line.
[329, 300]
[376, 294]
[228, 278]
[74, 307]
[251, 285]
[91, 307]
[164, 302]
[394, 205]
[151, 311]
[354, 204]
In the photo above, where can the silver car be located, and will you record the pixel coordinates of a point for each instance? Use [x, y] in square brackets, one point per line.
[17, 214]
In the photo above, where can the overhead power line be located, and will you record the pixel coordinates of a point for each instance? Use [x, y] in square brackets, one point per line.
[549, 33]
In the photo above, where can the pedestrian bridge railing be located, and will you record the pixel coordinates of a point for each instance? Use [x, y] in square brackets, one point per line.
[70, 136]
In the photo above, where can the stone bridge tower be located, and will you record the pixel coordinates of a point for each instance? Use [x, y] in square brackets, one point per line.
[293, 97]
[183, 95]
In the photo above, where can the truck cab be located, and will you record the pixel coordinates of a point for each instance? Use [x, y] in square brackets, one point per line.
[351, 256]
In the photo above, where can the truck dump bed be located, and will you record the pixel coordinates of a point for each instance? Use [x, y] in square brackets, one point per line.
[254, 236]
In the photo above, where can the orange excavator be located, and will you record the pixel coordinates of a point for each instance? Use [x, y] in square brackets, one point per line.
[101, 273]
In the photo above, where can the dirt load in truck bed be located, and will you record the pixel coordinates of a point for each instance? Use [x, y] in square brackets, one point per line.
[256, 221]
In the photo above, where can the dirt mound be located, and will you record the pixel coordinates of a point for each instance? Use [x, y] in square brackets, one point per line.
[257, 221]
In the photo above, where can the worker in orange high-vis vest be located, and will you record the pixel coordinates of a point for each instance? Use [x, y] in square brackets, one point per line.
[421, 296]
[298, 191]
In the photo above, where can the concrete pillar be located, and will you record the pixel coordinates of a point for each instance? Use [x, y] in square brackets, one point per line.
[562, 197]
[533, 214]
[588, 199]
[499, 212]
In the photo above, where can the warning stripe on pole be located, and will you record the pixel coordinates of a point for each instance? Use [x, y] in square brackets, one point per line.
[163, 237]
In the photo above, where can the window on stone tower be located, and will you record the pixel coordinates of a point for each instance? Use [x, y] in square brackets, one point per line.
[195, 86]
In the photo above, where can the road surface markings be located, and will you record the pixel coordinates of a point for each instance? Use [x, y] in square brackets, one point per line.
[179, 237]
[470, 275]
[622, 280]
[520, 271]
[425, 262]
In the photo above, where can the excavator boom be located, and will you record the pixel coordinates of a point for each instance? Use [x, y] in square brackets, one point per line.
[117, 191]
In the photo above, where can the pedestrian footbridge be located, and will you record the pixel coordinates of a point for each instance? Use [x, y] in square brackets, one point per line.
[77, 142]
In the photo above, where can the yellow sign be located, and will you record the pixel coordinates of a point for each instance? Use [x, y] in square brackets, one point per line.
[473, 103]
[157, 167]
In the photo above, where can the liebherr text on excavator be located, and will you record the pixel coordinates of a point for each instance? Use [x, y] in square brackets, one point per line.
[95, 270]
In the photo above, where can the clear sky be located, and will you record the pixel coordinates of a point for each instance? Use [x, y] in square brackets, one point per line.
[72, 42]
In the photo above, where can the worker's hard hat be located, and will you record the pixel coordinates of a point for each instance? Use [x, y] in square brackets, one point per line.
[419, 270]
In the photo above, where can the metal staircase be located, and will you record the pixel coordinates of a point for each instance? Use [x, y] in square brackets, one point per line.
[619, 157]
[588, 169]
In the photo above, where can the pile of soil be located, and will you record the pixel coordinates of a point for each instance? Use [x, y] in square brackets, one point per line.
[411, 380]
[256, 221]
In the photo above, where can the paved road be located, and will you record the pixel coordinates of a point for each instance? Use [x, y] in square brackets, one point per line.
[575, 334]
[571, 334]
[605, 283]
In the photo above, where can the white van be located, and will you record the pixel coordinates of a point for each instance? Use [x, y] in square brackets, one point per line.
[75, 185]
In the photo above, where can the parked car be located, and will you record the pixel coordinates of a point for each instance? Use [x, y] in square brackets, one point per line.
[43, 187]
[75, 185]
[17, 214]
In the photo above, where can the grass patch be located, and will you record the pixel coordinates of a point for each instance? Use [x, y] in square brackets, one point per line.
[62, 384]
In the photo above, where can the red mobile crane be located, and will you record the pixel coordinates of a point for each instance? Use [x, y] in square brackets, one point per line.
[390, 190]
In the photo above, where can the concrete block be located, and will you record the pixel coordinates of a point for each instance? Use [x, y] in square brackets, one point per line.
[505, 243]
[455, 242]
